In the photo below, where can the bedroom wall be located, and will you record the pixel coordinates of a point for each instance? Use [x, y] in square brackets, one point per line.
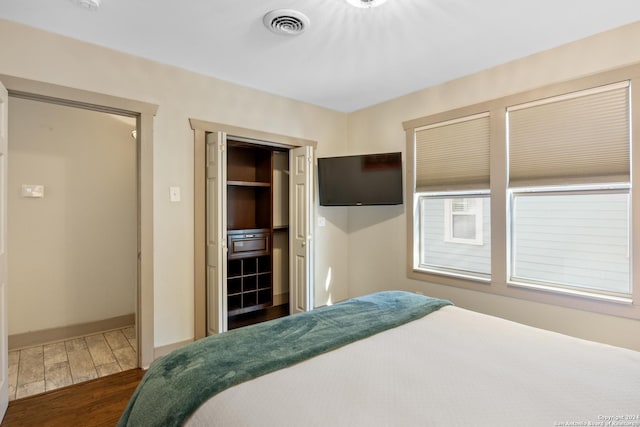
[73, 252]
[181, 95]
[381, 266]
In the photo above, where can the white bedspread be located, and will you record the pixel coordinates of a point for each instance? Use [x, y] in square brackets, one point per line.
[451, 368]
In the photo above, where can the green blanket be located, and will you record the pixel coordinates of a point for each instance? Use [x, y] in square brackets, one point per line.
[177, 384]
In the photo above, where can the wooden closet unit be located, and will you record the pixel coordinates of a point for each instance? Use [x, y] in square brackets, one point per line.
[249, 227]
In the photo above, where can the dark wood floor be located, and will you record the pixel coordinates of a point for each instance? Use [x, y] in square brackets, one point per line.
[94, 403]
[99, 402]
[258, 316]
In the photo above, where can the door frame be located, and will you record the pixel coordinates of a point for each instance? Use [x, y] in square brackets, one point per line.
[143, 112]
[4, 277]
[200, 129]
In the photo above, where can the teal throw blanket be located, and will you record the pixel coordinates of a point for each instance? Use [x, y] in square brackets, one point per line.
[177, 384]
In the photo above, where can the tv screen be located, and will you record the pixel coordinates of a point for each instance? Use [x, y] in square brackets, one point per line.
[371, 179]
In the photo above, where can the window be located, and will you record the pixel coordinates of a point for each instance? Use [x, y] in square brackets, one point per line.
[569, 185]
[463, 221]
[452, 190]
[530, 196]
[573, 241]
[452, 232]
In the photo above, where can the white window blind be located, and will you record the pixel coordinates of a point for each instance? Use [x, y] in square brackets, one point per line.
[582, 137]
[453, 155]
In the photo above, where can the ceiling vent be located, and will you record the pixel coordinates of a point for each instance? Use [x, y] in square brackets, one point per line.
[286, 21]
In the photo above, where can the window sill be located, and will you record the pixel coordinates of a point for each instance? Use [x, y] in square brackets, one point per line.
[572, 292]
[584, 301]
[426, 272]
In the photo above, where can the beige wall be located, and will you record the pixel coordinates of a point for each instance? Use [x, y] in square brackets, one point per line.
[180, 94]
[365, 246]
[73, 252]
[379, 128]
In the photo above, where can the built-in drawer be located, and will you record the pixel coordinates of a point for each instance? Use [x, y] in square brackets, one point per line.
[246, 243]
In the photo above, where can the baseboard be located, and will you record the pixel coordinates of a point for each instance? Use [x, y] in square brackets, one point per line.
[158, 352]
[281, 299]
[61, 333]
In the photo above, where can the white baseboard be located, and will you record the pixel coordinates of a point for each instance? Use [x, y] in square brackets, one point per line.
[62, 333]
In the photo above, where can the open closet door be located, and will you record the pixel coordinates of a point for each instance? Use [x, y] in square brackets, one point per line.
[216, 223]
[4, 347]
[301, 229]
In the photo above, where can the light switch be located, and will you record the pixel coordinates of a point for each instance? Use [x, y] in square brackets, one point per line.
[32, 191]
[322, 221]
[174, 194]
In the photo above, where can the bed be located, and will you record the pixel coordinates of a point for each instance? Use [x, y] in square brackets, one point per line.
[390, 359]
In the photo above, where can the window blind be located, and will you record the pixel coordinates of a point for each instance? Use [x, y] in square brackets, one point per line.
[582, 137]
[453, 155]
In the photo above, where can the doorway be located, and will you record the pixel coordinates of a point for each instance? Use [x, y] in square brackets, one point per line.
[219, 267]
[256, 232]
[72, 213]
[143, 114]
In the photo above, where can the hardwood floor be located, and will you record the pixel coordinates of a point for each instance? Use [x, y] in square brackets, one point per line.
[94, 403]
[258, 316]
[98, 402]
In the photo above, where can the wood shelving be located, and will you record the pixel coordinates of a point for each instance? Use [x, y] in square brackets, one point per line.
[248, 184]
[249, 284]
[249, 227]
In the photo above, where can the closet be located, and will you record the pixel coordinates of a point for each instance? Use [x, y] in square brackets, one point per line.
[257, 222]
[257, 230]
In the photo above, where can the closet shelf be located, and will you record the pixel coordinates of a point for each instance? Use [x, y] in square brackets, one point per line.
[248, 184]
[249, 227]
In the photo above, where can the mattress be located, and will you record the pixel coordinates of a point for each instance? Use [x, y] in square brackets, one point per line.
[451, 368]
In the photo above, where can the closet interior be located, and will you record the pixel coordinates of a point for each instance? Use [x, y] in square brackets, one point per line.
[257, 232]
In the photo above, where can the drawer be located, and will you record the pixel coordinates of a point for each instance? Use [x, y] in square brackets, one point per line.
[246, 244]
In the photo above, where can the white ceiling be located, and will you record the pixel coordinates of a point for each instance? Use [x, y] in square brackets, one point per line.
[349, 58]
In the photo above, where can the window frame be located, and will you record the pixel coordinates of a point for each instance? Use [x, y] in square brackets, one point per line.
[499, 199]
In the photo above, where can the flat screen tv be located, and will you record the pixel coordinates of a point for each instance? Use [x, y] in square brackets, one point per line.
[370, 179]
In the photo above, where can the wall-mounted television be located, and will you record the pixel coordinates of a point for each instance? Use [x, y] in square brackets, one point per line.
[365, 180]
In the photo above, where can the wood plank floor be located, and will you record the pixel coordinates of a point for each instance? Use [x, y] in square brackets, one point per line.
[97, 402]
[41, 368]
[258, 316]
